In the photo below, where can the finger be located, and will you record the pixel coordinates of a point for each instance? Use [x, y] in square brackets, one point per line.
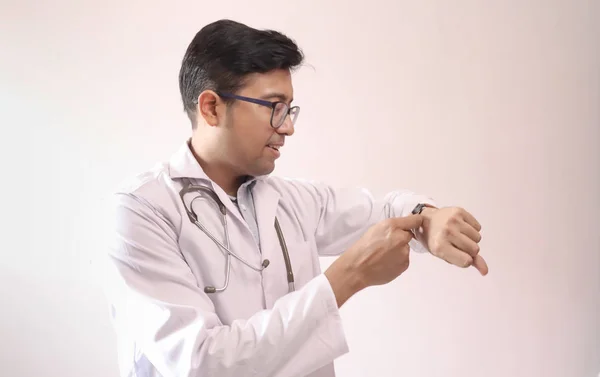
[405, 236]
[464, 243]
[480, 264]
[454, 256]
[408, 222]
[471, 220]
[469, 231]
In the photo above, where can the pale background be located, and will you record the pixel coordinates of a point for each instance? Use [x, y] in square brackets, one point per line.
[494, 106]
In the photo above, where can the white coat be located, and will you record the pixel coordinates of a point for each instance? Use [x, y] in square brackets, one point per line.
[160, 262]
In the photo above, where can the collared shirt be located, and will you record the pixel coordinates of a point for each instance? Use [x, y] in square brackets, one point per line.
[245, 204]
[160, 262]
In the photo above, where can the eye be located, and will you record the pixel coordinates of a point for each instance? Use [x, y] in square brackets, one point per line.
[280, 108]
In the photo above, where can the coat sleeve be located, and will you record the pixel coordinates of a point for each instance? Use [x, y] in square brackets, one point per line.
[159, 310]
[339, 217]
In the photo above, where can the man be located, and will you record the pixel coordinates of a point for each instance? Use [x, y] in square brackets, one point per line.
[182, 304]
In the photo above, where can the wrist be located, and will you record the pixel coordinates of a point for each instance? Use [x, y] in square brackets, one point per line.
[345, 280]
[428, 211]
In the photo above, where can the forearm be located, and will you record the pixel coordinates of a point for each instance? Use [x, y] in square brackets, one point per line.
[303, 332]
[160, 311]
[265, 341]
[346, 216]
[337, 218]
[345, 280]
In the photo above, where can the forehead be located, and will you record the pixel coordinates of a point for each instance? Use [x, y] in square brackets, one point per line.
[277, 83]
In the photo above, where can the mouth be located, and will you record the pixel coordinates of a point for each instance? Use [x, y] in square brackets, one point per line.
[274, 148]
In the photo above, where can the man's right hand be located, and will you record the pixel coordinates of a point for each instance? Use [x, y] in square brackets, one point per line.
[377, 258]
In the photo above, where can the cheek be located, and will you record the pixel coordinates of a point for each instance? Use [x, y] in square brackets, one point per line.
[254, 138]
[242, 142]
[252, 132]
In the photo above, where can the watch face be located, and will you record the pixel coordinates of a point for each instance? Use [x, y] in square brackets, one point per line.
[418, 209]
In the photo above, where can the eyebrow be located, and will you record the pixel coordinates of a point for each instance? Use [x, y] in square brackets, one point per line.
[279, 96]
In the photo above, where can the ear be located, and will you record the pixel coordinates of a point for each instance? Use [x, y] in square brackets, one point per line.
[208, 103]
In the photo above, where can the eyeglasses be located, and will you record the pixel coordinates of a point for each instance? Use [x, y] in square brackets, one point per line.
[279, 110]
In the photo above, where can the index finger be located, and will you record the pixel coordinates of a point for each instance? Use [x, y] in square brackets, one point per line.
[471, 220]
[409, 222]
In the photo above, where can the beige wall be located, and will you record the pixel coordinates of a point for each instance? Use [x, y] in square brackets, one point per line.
[494, 106]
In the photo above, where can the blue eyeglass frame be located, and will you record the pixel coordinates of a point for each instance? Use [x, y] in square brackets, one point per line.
[265, 103]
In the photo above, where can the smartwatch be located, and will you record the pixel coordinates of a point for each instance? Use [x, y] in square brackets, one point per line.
[418, 209]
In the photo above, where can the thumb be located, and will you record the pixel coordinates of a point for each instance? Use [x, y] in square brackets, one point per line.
[408, 222]
[480, 264]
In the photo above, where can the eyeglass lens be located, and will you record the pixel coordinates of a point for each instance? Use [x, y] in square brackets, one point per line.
[280, 112]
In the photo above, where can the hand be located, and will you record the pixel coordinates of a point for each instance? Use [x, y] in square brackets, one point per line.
[377, 258]
[452, 234]
[382, 253]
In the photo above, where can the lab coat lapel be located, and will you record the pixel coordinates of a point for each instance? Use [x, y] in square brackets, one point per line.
[266, 200]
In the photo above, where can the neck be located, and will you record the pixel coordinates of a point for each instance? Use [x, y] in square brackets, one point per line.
[218, 171]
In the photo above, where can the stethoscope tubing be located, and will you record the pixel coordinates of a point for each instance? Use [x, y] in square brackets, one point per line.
[228, 251]
[226, 246]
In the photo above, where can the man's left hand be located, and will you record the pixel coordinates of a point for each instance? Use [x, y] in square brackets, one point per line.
[452, 234]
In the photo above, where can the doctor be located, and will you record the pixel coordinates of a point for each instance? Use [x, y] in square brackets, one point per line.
[201, 290]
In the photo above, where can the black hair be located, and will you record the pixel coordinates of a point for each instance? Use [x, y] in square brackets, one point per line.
[224, 52]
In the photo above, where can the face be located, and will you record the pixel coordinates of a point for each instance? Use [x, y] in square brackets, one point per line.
[243, 133]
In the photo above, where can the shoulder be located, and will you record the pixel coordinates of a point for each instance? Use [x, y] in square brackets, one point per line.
[146, 183]
[297, 187]
[150, 194]
[305, 197]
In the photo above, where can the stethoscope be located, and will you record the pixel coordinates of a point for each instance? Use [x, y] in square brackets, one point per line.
[225, 246]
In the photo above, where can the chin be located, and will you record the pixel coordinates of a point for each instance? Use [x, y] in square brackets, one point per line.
[263, 169]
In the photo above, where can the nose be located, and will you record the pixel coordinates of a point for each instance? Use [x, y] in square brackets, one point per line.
[287, 128]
